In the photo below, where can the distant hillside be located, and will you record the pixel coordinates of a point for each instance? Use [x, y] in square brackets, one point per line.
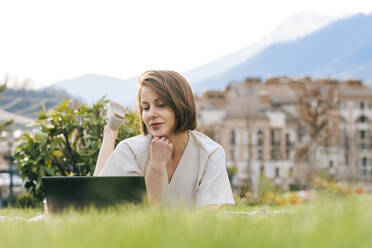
[28, 103]
[91, 87]
[342, 49]
[293, 28]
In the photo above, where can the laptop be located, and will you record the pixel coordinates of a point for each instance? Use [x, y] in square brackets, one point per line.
[85, 191]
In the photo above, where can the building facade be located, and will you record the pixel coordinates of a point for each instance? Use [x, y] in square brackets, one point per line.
[259, 125]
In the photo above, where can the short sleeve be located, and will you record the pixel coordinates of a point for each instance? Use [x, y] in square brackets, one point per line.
[122, 162]
[215, 187]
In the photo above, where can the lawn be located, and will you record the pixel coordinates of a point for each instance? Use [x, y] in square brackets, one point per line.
[328, 221]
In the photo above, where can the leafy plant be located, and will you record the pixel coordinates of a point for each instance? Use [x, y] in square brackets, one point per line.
[231, 171]
[25, 200]
[66, 142]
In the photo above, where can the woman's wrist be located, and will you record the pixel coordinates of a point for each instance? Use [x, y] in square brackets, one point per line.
[109, 132]
[154, 184]
[157, 167]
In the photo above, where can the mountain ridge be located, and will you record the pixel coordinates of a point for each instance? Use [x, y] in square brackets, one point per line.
[341, 50]
[91, 87]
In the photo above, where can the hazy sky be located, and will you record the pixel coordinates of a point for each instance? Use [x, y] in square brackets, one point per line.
[48, 41]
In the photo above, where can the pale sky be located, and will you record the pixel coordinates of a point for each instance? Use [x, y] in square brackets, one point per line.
[47, 41]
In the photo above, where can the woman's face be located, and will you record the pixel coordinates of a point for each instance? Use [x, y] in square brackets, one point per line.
[158, 117]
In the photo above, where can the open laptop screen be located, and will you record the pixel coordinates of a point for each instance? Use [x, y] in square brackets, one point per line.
[84, 191]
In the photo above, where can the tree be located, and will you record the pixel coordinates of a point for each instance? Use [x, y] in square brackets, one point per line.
[317, 109]
[66, 143]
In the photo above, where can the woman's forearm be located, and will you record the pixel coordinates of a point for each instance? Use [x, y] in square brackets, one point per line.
[107, 147]
[154, 185]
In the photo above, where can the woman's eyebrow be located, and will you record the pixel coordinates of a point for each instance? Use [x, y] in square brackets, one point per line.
[155, 100]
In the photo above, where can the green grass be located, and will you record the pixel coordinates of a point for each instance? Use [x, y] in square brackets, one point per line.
[329, 221]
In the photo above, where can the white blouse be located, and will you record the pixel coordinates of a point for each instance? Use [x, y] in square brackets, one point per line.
[200, 178]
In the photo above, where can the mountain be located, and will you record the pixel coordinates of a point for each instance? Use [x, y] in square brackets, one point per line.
[343, 49]
[23, 105]
[28, 103]
[91, 87]
[294, 27]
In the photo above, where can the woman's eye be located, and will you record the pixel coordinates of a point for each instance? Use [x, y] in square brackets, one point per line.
[146, 108]
[161, 105]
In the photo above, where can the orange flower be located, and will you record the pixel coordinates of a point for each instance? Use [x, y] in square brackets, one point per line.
[347, 191]
[360, 191]
[280, 200]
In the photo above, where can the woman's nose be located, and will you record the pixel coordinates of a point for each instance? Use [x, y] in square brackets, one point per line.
[153, 112]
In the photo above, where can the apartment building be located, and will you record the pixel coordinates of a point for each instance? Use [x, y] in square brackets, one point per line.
[259, 126]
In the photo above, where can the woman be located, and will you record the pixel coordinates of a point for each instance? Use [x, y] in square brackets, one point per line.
[180, 165]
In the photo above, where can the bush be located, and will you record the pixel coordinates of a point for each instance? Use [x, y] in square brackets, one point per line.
[26, 201]
[231, 172]
[66, 142]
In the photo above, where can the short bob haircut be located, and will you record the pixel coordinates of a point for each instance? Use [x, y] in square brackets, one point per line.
[174, 89]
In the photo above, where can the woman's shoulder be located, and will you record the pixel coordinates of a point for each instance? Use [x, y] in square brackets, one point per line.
[137, 144]
[205, 143]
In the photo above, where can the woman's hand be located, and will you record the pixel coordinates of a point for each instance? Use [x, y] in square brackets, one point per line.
[115, 115]
[160, 152]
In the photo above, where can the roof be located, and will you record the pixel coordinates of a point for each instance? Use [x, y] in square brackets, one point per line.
[355, 91]
[6, 116]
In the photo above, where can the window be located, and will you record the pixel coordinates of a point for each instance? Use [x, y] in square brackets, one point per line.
[330, 163]
[362, 146]
[260, 138]
[275, 154]
[260, 155]
[361, 105]
[362, 119]
[277, 172]
[362, 134]
[364, 162]
[287, 139]
[275, 137]
[232, 137]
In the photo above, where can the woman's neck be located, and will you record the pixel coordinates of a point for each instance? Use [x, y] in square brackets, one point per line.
[179, 142]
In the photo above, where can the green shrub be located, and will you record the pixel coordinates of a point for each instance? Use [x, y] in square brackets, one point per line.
[26, 201]
[66, 142]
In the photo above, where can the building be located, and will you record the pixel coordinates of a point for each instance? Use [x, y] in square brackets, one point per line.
[260, 127]
[9, 179]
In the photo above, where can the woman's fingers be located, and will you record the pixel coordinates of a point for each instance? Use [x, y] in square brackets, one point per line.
[161, 139]
[161, 149]
[162, 145]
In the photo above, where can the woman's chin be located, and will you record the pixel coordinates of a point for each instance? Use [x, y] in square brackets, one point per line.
[159, 134]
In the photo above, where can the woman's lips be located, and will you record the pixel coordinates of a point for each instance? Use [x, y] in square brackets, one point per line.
[155, 125]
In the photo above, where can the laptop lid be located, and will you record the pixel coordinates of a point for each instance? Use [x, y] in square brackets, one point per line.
[84, 191]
